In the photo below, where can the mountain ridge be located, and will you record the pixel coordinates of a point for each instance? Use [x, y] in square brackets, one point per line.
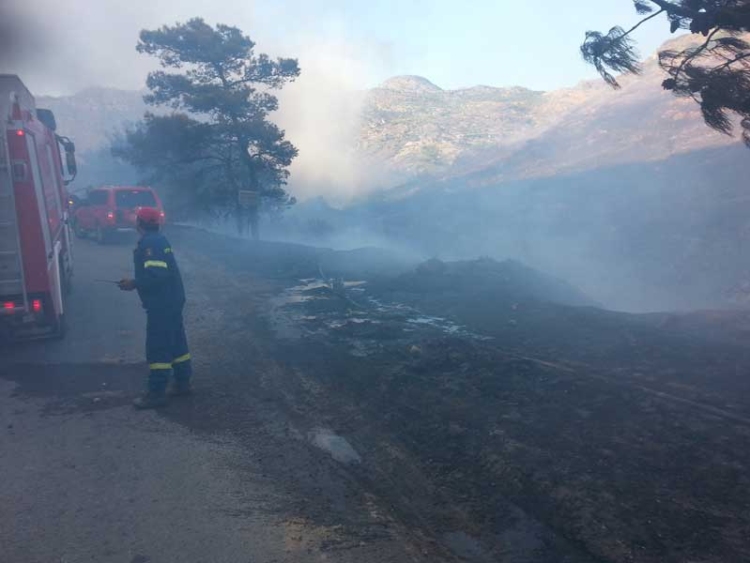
[417, 129]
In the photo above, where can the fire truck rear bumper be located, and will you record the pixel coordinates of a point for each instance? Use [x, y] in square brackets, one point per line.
[20, 324]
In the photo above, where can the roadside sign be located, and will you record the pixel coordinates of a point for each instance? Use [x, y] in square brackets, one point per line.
[247, 198]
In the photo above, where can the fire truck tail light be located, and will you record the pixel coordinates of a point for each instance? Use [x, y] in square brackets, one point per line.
[9, 305]
[36, 305]
[20, 132]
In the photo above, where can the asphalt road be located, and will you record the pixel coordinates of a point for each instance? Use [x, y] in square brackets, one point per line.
[85, 478]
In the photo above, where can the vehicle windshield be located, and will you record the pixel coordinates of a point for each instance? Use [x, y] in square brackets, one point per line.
[134, 198]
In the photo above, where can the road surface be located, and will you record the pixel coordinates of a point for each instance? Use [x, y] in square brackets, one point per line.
[85, 478]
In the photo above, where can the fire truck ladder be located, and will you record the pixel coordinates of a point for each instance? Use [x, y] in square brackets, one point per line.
[12, 283]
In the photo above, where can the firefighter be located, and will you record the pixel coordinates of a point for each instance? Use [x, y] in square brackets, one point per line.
[159, 286]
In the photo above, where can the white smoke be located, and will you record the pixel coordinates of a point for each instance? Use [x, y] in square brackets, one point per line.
[322, 115]
[93, 44]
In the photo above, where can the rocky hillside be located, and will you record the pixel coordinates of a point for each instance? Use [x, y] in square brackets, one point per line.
[490, 134]
[420, 128]
[512, 133]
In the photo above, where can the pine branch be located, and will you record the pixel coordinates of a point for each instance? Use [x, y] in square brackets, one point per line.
[691, 57]
[675, 9]
[644, 20]
[730, 62]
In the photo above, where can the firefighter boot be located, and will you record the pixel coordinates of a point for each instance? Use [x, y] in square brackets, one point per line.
[182, 372]
[155, 396]
[150, 400]
[180, 389]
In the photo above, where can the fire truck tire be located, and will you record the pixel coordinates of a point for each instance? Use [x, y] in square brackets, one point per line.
[60, 328]
[78, 230]
[101, 235]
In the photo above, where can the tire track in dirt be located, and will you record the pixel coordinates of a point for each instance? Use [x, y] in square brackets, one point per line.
[582, 370]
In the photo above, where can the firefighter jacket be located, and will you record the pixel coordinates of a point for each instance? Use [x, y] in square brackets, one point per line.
[157, 277]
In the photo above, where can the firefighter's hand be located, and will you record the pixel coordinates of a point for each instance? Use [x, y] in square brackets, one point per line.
[126, 284]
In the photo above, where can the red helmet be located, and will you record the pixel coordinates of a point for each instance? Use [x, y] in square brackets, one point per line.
[149, 216]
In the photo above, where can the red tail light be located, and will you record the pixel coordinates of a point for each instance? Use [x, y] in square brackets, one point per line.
[20, 132]
[111, 215]
[36, 305]
[9, 305]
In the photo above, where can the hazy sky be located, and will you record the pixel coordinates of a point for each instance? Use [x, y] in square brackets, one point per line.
[63, 46]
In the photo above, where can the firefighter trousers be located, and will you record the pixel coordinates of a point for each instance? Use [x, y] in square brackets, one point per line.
[167, 350]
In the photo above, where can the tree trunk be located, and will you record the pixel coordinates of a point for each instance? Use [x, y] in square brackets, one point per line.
[248, 222]
[254, 220]
[239, 215]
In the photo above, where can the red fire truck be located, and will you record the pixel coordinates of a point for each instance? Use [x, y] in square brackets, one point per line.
[36, 255]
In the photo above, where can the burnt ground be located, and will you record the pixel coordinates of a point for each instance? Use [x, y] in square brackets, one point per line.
[443, 414]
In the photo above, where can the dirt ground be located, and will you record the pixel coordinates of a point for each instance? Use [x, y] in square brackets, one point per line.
[426, 415]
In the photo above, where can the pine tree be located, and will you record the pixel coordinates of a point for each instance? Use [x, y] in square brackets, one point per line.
[218, 143]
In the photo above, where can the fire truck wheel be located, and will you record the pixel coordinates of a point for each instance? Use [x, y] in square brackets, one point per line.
[60, 328]
[78, 230]
[101, 235]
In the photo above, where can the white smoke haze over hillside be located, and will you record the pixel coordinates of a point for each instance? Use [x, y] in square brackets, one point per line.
[93, 44]
[321, 113]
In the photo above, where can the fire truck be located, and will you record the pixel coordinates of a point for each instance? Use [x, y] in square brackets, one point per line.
[36, 254]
